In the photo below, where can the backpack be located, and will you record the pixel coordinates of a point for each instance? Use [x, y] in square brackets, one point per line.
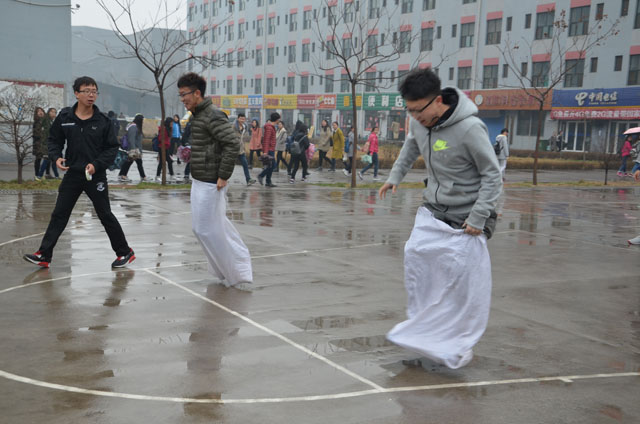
[124, 142]
[497, 147]
[155, 144]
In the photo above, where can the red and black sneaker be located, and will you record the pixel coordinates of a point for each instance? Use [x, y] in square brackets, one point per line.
[37, 259]
[122, 261]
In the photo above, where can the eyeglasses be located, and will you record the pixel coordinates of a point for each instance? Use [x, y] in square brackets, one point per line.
[418, 111]
[89, 92]
[182, 95]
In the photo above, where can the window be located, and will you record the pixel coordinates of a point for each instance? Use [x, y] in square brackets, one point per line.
[540, 74]
[527, 20]
[636, 23]
[229, 86]
[405, 42]
[490, 76]
[407, 6]
[240, 31]
[599, 11]
[617, 64]
[190, 14]
[428, 4]
[372, 45]
[293, 22]
[257, 86]
[574, 73]
[509, 21]
[306, 52]
[205, 11]
[241, 5]
[544, 25]
[239, 86]
[258, 57]
[524, 68]
[454, 30]
[259, 27]
[451, 70]
[494, 30]
[291, 85]
[331, 15]
[306, 19]
[346, 47]
[213, 88]
[527, 123]
[370, 81]
[466, 34]
[464, 78]
[439, 32]
[348, 15]
[331, 48]
[214, 38]
[271, 55]
[328, 84]
[426, 39]
[594, 64]
[229, 60]
[292, 54]
[579, 21]
[271, 26]
[374, 9]
[304, 84]
[230, 32]
[505, 71]
[634, 70]
[624, 10]
[345, 85]
[468, 1]
[240, 58]
[269, 85]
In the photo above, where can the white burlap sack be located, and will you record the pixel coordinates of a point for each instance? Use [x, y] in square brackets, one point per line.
[448, 282]
[226, 253]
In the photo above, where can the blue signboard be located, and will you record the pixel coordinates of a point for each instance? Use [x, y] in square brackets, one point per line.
[601, 98]
[255, 101]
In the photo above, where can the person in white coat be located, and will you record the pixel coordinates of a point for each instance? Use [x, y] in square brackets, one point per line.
[502, 143]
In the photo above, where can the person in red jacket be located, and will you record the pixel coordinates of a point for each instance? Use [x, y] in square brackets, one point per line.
[625, 153]
[269, 147]
[371, 148]
[164, 136]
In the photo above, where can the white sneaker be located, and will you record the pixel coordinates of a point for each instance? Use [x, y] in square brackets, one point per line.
[158, 179]
[635, 240]
[360, 175]
[345, 172]
[376, 178]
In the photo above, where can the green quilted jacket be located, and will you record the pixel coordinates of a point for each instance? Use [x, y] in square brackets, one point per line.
[214, 144]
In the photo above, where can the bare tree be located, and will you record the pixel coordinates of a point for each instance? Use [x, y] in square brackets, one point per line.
[552, 44]
[354, 41]
[17, 107]
[174, 48]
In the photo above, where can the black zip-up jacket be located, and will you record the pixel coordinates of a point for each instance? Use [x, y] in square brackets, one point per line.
[90, 141]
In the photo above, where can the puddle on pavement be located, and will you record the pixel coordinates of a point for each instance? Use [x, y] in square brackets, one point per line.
[362, 344]
[326, 322]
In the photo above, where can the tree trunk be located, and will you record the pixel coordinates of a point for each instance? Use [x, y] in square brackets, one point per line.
[537, 149]
[355, 135]
[20, 165]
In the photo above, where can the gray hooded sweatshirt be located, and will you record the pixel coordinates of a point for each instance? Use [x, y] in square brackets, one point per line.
[462, 169]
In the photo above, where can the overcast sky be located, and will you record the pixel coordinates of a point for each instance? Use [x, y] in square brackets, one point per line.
[90, 14]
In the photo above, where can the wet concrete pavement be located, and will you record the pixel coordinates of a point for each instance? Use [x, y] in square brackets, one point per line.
[162, 342]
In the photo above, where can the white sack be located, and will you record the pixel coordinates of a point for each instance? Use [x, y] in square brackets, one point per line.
[448, 282]
[226, 253]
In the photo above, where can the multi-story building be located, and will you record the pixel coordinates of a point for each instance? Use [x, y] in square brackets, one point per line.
[267, 50]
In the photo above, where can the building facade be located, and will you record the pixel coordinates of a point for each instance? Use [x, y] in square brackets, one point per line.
[267, 55]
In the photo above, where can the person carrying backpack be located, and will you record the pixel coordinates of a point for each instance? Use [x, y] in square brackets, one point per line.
[502, 150]
[297, 149]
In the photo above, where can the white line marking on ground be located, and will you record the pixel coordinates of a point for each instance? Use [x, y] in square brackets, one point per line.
[269, 331]
[334, 396]
[21, 238]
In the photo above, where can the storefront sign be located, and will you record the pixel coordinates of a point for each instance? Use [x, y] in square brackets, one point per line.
[509, 99]
[344, 101]
[326, 101]
[234, 102]
[383, 101]
[286, 101]
[255, 101]
[606, 103]
[215, 100]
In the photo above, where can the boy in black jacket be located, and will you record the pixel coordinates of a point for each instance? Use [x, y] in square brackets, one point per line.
[91, 147]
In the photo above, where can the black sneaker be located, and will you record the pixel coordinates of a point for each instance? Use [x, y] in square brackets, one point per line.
[261, 180]
[122, 261]
[38, 259]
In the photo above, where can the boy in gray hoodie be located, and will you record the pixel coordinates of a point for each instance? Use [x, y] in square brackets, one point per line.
[462, 188]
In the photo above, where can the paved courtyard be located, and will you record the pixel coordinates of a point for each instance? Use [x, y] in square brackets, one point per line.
[162, 342]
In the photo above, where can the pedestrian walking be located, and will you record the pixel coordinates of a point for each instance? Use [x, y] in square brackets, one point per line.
[625, 153]
[447, 268]
[501, 148]
[371, 148]
[255, 143]
[337, 150]
[42, 127]
[134, 149]
[348, 152]
[91, 146]
[324, 143]
[298, 150]
[214, 148]
[164, 138]
[269, 148]
[281, 141]
[240, 127]
[176, 135]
